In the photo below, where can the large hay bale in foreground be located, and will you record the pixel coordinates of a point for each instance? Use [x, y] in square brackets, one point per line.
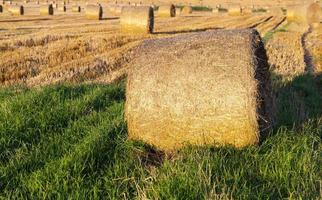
[94, 12]
[199, 88]
[16, 9]
[137, 19]
[186, 10]
[167, 11]
[314, 14]
[76, 8]
[234, 10]
[46, 9]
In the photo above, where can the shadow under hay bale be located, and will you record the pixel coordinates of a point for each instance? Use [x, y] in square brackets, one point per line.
[16, 10]
[137, 19]
[46, 10]
[167, 11]
[94, 12]
[198, 89]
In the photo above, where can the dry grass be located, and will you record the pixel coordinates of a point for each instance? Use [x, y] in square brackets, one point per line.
[286, 54]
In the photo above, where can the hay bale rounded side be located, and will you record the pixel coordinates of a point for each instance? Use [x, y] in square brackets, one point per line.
[94, 12]
[46, 9]
[198, 89]
[314, 14]
[76, 8]
[16, 10]
[167, 11]
[137, 19]
[234, 10]
[186, 10]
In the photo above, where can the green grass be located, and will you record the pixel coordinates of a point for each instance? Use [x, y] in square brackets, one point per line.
[70, 142]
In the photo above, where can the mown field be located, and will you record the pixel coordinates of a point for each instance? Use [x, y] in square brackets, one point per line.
[63, 133]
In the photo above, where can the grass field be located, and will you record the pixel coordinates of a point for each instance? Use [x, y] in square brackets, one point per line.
[66, 141]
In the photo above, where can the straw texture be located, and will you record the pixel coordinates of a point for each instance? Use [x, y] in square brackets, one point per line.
[137, 19]
[167, 11]
[199, 88]
[94, 12]
[46, 9]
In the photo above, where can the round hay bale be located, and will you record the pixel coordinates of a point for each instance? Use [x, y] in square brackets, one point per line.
[167, 11]
[76, 8]
[16, 9]
[234, 10]
[46, 9]
[1, 8]
[297, 13]
[94, 12]
[247, 11]
[199, 88]
[137, 19]
[62, 8]
[314, 14]
[186, 10]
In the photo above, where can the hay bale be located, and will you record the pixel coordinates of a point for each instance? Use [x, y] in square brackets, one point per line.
[186, 10]
[16, 9]
[246, 11]
[314, 14]
[137, 19]
[94, 12]
[297, 13]
[167, 11]
[46, 9]
[62, 8]
[199, 88]
[76, 8]
[234, 10]
[1, 8]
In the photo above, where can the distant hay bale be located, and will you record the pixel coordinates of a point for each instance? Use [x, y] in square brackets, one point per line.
[215, 10]
[62, 8]
[314, 14]
[167, 11]
[186, 10]
[234, 10]
[94, 12]
[46, 9]
[16, 9]
[76, 8]
[199, 88]
[1, 8]
[246, 11]
[137, 19]
[297, 14]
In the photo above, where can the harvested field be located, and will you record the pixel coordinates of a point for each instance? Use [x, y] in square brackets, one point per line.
[62, 102]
